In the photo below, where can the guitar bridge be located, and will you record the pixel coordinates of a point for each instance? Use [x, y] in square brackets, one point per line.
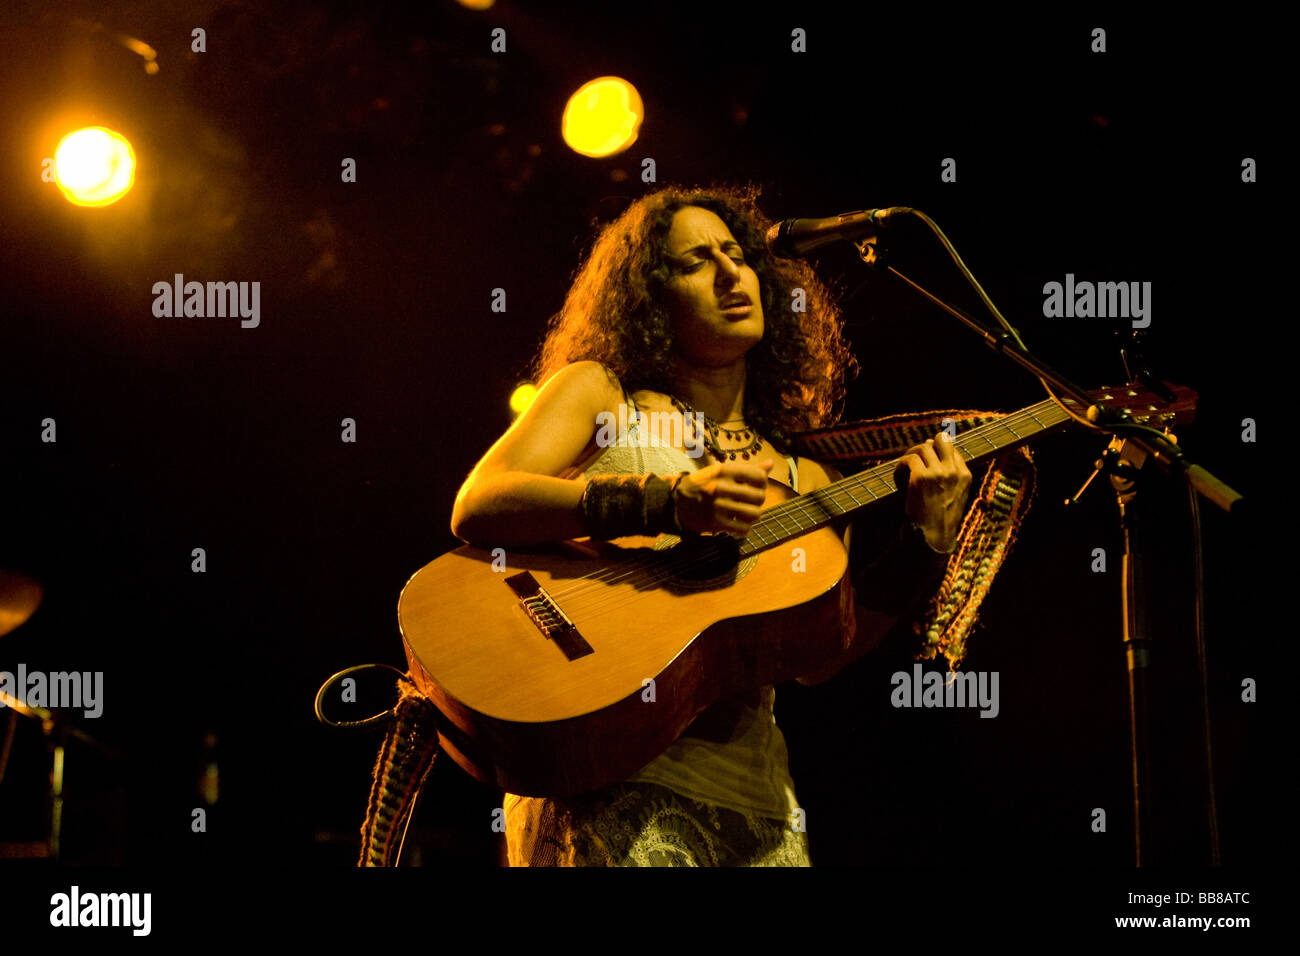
[546, 615]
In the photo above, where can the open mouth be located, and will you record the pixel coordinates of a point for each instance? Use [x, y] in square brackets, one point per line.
[736, 302]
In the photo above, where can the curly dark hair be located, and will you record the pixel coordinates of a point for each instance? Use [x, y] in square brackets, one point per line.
[615, 314]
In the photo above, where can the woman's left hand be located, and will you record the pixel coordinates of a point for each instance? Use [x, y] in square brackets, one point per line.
[937, 489]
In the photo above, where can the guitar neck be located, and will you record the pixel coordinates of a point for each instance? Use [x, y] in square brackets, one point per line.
[812, 510]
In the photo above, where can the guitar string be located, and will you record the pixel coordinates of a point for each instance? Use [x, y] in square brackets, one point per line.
[810, 505]
[676, 563]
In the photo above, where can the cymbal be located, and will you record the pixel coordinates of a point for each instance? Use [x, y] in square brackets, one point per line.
[19, 598]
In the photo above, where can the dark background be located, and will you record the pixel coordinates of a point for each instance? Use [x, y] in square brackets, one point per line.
[182, 433]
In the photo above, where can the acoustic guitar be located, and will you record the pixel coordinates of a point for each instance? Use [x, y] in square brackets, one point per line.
[566, 668]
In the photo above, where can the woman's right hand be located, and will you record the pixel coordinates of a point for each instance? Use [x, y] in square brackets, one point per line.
[727, 496]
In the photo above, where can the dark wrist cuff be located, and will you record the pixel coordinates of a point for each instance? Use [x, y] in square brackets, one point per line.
[617, 505]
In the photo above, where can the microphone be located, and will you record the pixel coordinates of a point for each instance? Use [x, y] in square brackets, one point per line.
[795, 238]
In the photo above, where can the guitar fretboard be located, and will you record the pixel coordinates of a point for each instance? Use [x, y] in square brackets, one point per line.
[814, 509]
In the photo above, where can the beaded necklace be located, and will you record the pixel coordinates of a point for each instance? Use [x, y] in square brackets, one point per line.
[712, 429]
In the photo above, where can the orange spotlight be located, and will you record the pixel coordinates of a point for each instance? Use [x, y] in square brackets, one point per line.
[94, 166]
[603, 117]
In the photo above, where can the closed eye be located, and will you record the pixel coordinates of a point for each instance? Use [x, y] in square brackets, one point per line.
[736, 255]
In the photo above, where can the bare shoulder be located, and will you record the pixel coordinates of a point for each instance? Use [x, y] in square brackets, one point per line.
[589, 380]
[555, 430]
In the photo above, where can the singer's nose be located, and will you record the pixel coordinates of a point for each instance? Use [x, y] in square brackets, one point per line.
[729, 271]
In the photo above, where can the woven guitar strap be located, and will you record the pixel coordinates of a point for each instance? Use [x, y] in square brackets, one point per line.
[404, 761]
[986, 535]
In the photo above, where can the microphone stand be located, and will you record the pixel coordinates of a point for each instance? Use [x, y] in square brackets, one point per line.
[1133, 450]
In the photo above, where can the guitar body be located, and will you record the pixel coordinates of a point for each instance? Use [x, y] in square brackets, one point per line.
[562, 712]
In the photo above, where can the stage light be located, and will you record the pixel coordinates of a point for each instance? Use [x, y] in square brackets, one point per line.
[522, 397]
[476, 4]
[603, 117]
[94, 166]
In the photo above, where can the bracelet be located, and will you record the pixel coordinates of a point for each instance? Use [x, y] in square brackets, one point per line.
[672, 496]
[617, 505]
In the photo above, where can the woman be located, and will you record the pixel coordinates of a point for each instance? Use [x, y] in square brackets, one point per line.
[680, 311]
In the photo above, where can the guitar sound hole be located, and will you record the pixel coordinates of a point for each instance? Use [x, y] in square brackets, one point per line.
[702, 563]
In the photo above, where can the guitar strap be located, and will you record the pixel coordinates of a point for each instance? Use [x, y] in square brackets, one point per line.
[405, 759]
[987, 533]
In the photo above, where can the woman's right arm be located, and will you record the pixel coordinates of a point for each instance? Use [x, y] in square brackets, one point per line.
[512, 497]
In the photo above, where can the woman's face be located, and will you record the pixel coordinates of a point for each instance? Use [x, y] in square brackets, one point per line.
[713, 295]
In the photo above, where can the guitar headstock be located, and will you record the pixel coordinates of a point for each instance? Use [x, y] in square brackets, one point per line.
[1145, 406]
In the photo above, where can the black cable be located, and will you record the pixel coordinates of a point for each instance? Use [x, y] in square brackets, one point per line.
[377, 718]
[410, 814]
[1198, 583]
[993, 309]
